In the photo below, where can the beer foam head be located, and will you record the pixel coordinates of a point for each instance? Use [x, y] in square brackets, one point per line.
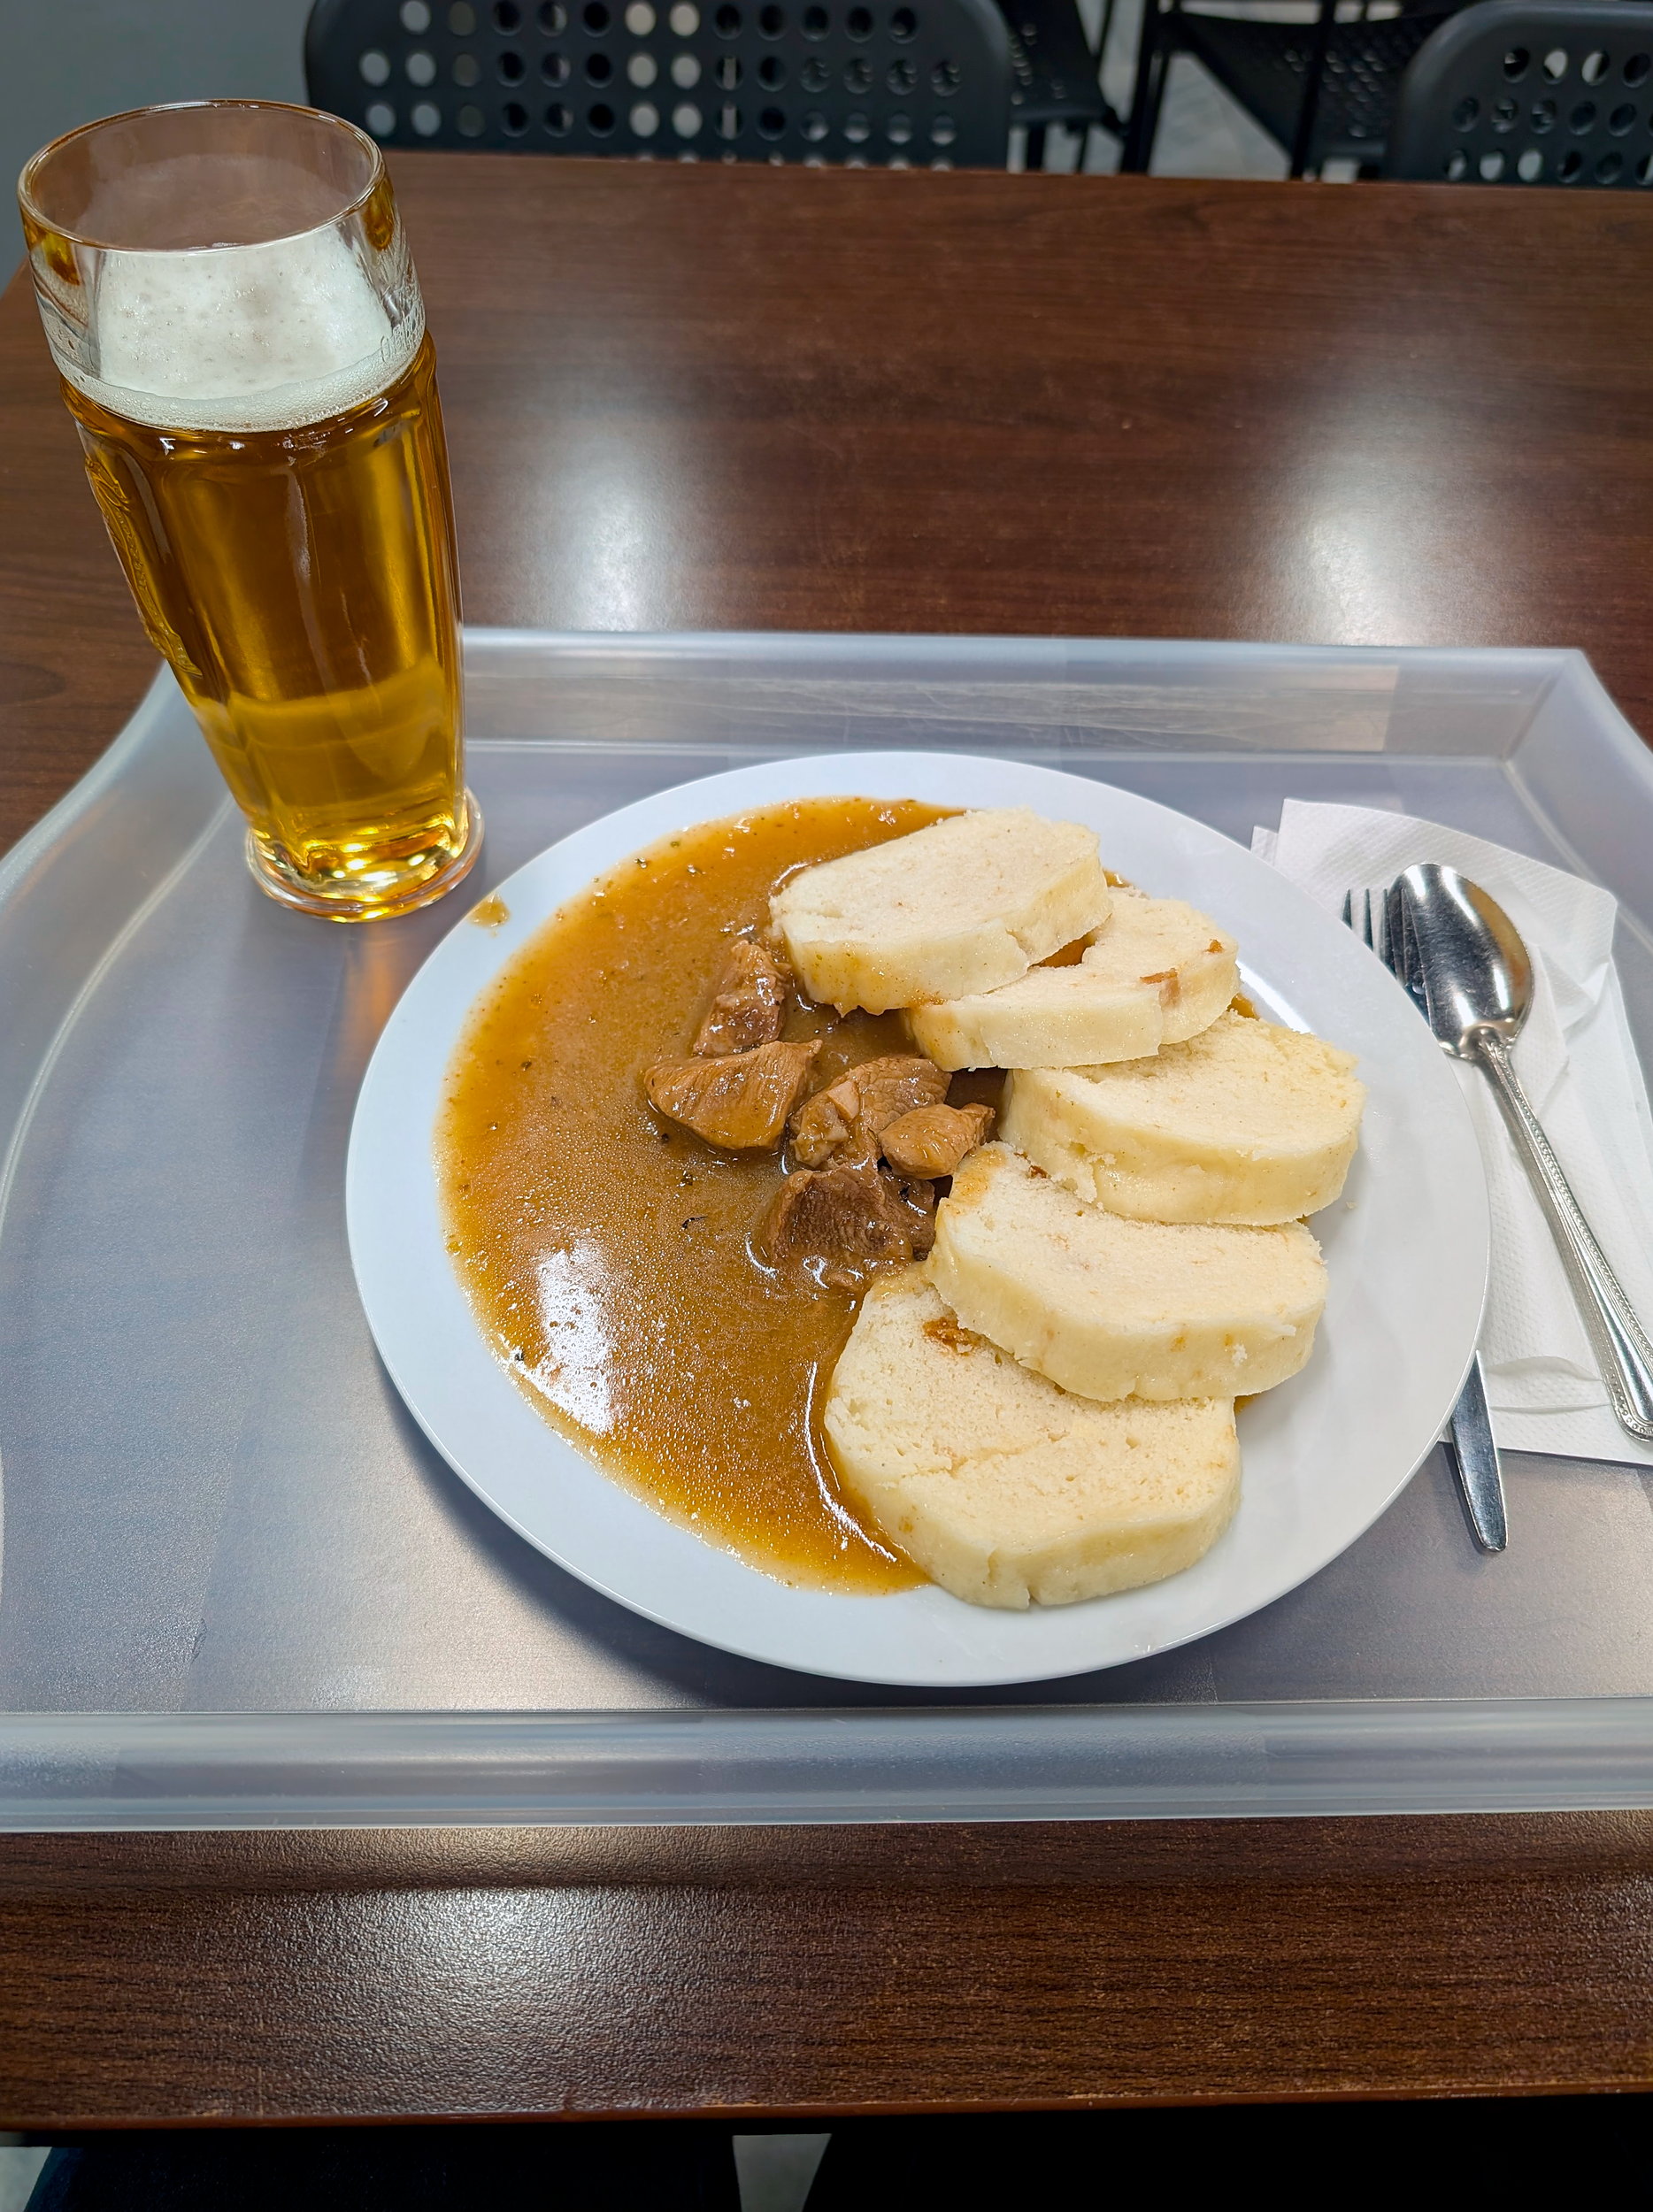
[258, 337]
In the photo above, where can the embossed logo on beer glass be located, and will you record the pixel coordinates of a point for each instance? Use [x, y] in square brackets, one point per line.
[228, 297]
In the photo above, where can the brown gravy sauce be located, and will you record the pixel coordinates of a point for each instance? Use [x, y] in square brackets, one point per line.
[606, 1251]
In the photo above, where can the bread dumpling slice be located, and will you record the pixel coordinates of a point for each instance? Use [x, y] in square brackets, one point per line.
[1169, 948]
[1004, 1489]
[1245, 1123]
[1157, 971]
[965, 904]
[1052, 1018]
[1115, 1308]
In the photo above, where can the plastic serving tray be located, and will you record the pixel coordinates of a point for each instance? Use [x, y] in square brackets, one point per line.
[238, 1589]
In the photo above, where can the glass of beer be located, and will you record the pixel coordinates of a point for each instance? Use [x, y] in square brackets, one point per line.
[229, 299]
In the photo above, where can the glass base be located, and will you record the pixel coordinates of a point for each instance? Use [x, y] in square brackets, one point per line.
[381, 904]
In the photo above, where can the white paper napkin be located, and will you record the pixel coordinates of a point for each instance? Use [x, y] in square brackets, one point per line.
[1577, 1060]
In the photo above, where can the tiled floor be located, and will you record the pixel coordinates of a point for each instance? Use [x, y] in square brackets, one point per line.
[18, 2167]
[775, 2171]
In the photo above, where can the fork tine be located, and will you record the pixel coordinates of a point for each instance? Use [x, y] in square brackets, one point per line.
[1410, 968]
[1412, 972]
[1368, 919]
[1400, 943]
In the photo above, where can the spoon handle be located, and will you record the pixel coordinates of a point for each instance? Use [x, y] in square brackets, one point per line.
[1620, 1342]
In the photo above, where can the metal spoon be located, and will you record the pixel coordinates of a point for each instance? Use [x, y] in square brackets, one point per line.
[1476, 983]
[1380, 923]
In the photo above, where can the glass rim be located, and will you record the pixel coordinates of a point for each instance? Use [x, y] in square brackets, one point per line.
[35, 214]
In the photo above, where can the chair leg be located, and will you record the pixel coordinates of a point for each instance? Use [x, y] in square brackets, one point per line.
[1313, 78]
[1145, 113]
[1110, 120]
[1106, 31]
[1153, 61]
[1035, 146]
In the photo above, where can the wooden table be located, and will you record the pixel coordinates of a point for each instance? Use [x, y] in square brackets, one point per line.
[726, 398]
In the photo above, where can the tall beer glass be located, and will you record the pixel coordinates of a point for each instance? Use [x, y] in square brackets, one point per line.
[228, 297]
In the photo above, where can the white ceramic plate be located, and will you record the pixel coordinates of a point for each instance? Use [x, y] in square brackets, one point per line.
[1324, 1455]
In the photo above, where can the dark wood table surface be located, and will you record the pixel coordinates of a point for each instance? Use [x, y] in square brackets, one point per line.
[744, 398]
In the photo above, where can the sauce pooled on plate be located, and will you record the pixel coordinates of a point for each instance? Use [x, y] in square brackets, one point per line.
[608, 1252]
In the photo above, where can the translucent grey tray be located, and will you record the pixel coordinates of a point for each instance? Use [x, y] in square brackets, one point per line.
[239, 1589]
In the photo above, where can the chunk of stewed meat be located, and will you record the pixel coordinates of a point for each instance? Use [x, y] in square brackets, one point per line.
[848, 1218]
[822, 1127]
[846, 1119]
[739, 1101]
[895, 1086]
[933, 1140]
[918, 1195]
[749, 1002]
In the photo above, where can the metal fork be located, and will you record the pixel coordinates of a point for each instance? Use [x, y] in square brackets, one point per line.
[1384, 924]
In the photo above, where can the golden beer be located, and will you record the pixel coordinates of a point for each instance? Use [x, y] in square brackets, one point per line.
[228, 296]
[300, 583]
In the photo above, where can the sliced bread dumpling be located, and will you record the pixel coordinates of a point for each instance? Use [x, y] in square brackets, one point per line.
[1169, 948]
[1109, 1308]
[966, 904]
[1157, 971]
[1245, 1123]
[1003, 1488]
[1052, 1018]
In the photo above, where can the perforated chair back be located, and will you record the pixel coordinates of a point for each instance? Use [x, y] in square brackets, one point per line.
[925, 83]
[1323, 87]
[1509, 94]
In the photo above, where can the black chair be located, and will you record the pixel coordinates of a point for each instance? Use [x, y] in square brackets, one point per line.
[922, 84]
[1056, 73]
[1323, 90]
[1507, 94]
